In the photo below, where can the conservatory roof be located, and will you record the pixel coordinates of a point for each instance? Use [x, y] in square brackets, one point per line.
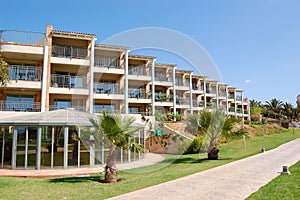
[62, 117]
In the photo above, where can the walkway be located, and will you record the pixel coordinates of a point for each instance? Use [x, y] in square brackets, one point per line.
[149, 159]
[236, 180]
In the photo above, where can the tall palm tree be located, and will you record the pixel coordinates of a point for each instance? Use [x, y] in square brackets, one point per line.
[254, 103]
[287, 109]
[275, 106]
[117, 130]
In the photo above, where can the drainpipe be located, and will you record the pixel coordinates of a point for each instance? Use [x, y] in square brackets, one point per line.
[91, 89]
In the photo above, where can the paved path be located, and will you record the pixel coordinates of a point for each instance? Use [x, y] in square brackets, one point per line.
[236, 180]
[149, 159]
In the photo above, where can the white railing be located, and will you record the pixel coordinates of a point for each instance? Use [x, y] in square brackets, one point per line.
[26, 73]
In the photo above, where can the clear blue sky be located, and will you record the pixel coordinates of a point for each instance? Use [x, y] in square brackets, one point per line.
[254, 43]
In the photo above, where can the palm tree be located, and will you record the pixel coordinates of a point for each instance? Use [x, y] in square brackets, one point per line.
[4, 78]
[287, 109]
[213, 124]
[275, 106]
[117, 130]
[254, 103]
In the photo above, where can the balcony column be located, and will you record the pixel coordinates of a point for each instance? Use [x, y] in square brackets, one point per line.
[126, 83]
[191, 95]
[38, 148]
[66, 142]
[235, 110]
[174, 94]
[226, 91]
[91, 78]
[242, 109]
[44, 79]
[204, 92]
[14, 149]
[217, 94]
[153, 87]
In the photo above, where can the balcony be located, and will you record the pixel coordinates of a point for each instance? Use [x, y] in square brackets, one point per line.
[108, 62]
[25, 73]
[210, 90]
[231, 96]
[68, 81]
[20, 106]
[222, 94]
[69, 52]
[56, 107]
[238, 98]
[182, 101]
[108, 88]
[231, 109]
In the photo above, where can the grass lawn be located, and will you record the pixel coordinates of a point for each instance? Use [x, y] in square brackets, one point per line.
[282, 187]
[91, 188]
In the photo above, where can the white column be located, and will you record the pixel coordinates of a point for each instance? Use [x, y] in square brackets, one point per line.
[66, 142]
[235, 110]
[174, 94]
[38, 148]
[78, 150]
[44, 80]
[91, 86]
[204, 92]
[126, 83]
[217, 94]
[92, 151]
[242, 109]
[226, 90]
[26, 147]
[153, 87]
[14, 149]
[52, 146]
[129, 155]
[191, 93]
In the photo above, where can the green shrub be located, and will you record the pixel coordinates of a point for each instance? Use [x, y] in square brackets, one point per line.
[195, 145]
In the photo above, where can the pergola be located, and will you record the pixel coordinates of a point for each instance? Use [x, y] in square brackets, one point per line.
[33, 131]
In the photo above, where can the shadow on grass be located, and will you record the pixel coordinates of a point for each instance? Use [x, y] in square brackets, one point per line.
[76, 179]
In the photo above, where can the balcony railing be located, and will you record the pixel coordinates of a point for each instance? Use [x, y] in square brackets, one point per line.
[181, 101]
[163, 97]
[181, 83]
[69, 52]
[231, 96]
[196, 87]
[79, 108]
[222, 94]
[26, 73]
[113, 111]
[239, 98]
[198, 104]
[231, 109]
[108, 88]
[211, 90]
[22, 37]
[139, 112]
[138, 93]
[108, 62]
[165, 79]
[21, 106]
[68, 81]
[140, 70]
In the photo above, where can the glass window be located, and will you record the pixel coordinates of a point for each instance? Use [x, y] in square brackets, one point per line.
[19, 103]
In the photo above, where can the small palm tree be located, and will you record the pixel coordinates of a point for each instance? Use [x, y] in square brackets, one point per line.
[117, 130]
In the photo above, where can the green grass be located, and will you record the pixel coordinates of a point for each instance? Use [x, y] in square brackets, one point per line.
[282, 187]
[131, 180]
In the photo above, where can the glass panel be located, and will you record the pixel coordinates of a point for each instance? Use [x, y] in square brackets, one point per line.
[7, 150]
[19, 103]
[46, 147]
[58, 149]
[21, 146]
[73, 147]
[32, 133]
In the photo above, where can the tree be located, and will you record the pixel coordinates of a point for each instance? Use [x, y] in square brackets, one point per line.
[288, 109]
[254, 103]
[118, 131]
[275, 106]
[4, 69]
[213, 125]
